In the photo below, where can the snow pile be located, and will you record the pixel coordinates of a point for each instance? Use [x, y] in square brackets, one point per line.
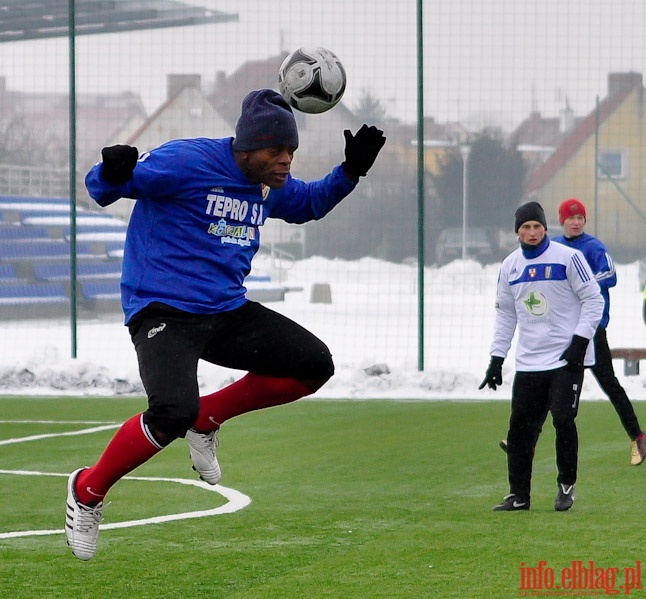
[370, 327]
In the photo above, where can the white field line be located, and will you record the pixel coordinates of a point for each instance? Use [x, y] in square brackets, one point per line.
[235, 500]
[53, 422]
[86, 431]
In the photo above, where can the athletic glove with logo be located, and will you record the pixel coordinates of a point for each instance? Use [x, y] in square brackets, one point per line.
[361, 150]
[493, 378]
[575, 353]
[118, 163]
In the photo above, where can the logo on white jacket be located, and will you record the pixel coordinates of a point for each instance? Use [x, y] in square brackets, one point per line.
[536, 304]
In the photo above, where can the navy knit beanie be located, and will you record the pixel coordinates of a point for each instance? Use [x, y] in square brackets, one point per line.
[266, 121]
[529, 211]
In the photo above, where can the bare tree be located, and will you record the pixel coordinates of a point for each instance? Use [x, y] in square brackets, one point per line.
[369, 109]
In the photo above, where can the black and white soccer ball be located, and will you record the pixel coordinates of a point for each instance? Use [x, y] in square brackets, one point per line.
[312, 79]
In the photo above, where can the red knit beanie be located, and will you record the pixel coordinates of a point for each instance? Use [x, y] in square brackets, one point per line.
[571, 207]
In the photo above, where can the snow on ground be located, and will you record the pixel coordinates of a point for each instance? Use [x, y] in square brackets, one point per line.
[371, 326]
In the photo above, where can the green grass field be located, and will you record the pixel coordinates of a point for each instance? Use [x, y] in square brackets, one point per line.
[349, 499]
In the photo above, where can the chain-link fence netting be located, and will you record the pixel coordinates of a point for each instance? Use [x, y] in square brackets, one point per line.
[510, 100]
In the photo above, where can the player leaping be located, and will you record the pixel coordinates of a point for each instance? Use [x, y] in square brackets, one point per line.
[183, 288]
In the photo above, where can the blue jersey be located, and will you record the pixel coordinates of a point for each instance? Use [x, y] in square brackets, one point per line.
[195, 226]
[601, 264]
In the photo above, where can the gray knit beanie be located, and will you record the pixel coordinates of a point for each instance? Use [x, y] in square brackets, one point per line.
[266, 121]
[529, 211]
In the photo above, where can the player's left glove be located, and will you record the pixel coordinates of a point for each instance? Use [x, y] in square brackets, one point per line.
[493, 377]
[574, 355]
[361, 150]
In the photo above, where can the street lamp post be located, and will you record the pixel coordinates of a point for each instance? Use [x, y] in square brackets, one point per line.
[464, 151]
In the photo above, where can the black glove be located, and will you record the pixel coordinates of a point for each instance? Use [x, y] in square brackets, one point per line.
[118, 163]
[575, 353]
[361, 150]
[493, 378]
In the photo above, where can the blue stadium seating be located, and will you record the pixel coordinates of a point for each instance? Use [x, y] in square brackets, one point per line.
[35, 255]
[7, 272]
[98, 227]
[18, 233]
[37, 250]
[27, 217]
[101, 290]
[12, 200]
[32, 293]
[114, 249]
[42, 250]
[33, 300]
[62, 219]
[60, 271]
[252, 278]
[261, 288]
[116, 236]
[100, 296]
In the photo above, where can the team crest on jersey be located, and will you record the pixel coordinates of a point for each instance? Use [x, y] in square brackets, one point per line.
[536, 304]
[532, 273]
[265, 192]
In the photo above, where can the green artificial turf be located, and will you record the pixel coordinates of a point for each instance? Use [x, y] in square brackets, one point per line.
[349, 499]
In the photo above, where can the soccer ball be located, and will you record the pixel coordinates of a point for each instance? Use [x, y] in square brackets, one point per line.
[312, 79]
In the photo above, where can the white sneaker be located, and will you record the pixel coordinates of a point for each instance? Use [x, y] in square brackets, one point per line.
[202, 451]
[81, 522]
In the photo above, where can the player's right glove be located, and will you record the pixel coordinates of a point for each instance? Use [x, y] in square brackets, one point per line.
[361, 150]
[119, 163]
[493, 377]
[574, 355]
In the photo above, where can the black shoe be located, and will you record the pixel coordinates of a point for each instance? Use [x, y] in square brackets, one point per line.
[512, 503]
[564, 498]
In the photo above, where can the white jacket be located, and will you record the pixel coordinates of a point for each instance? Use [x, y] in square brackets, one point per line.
[549, 297]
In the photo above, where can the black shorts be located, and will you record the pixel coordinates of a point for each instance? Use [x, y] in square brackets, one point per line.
[169, 343]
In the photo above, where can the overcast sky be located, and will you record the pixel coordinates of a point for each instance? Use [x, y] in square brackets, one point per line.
[484, 59]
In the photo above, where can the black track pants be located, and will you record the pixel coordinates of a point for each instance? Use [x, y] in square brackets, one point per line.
[169, 343]
[534, 395]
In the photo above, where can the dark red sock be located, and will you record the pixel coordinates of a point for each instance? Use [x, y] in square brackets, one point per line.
[251, 392]
[131, 446]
